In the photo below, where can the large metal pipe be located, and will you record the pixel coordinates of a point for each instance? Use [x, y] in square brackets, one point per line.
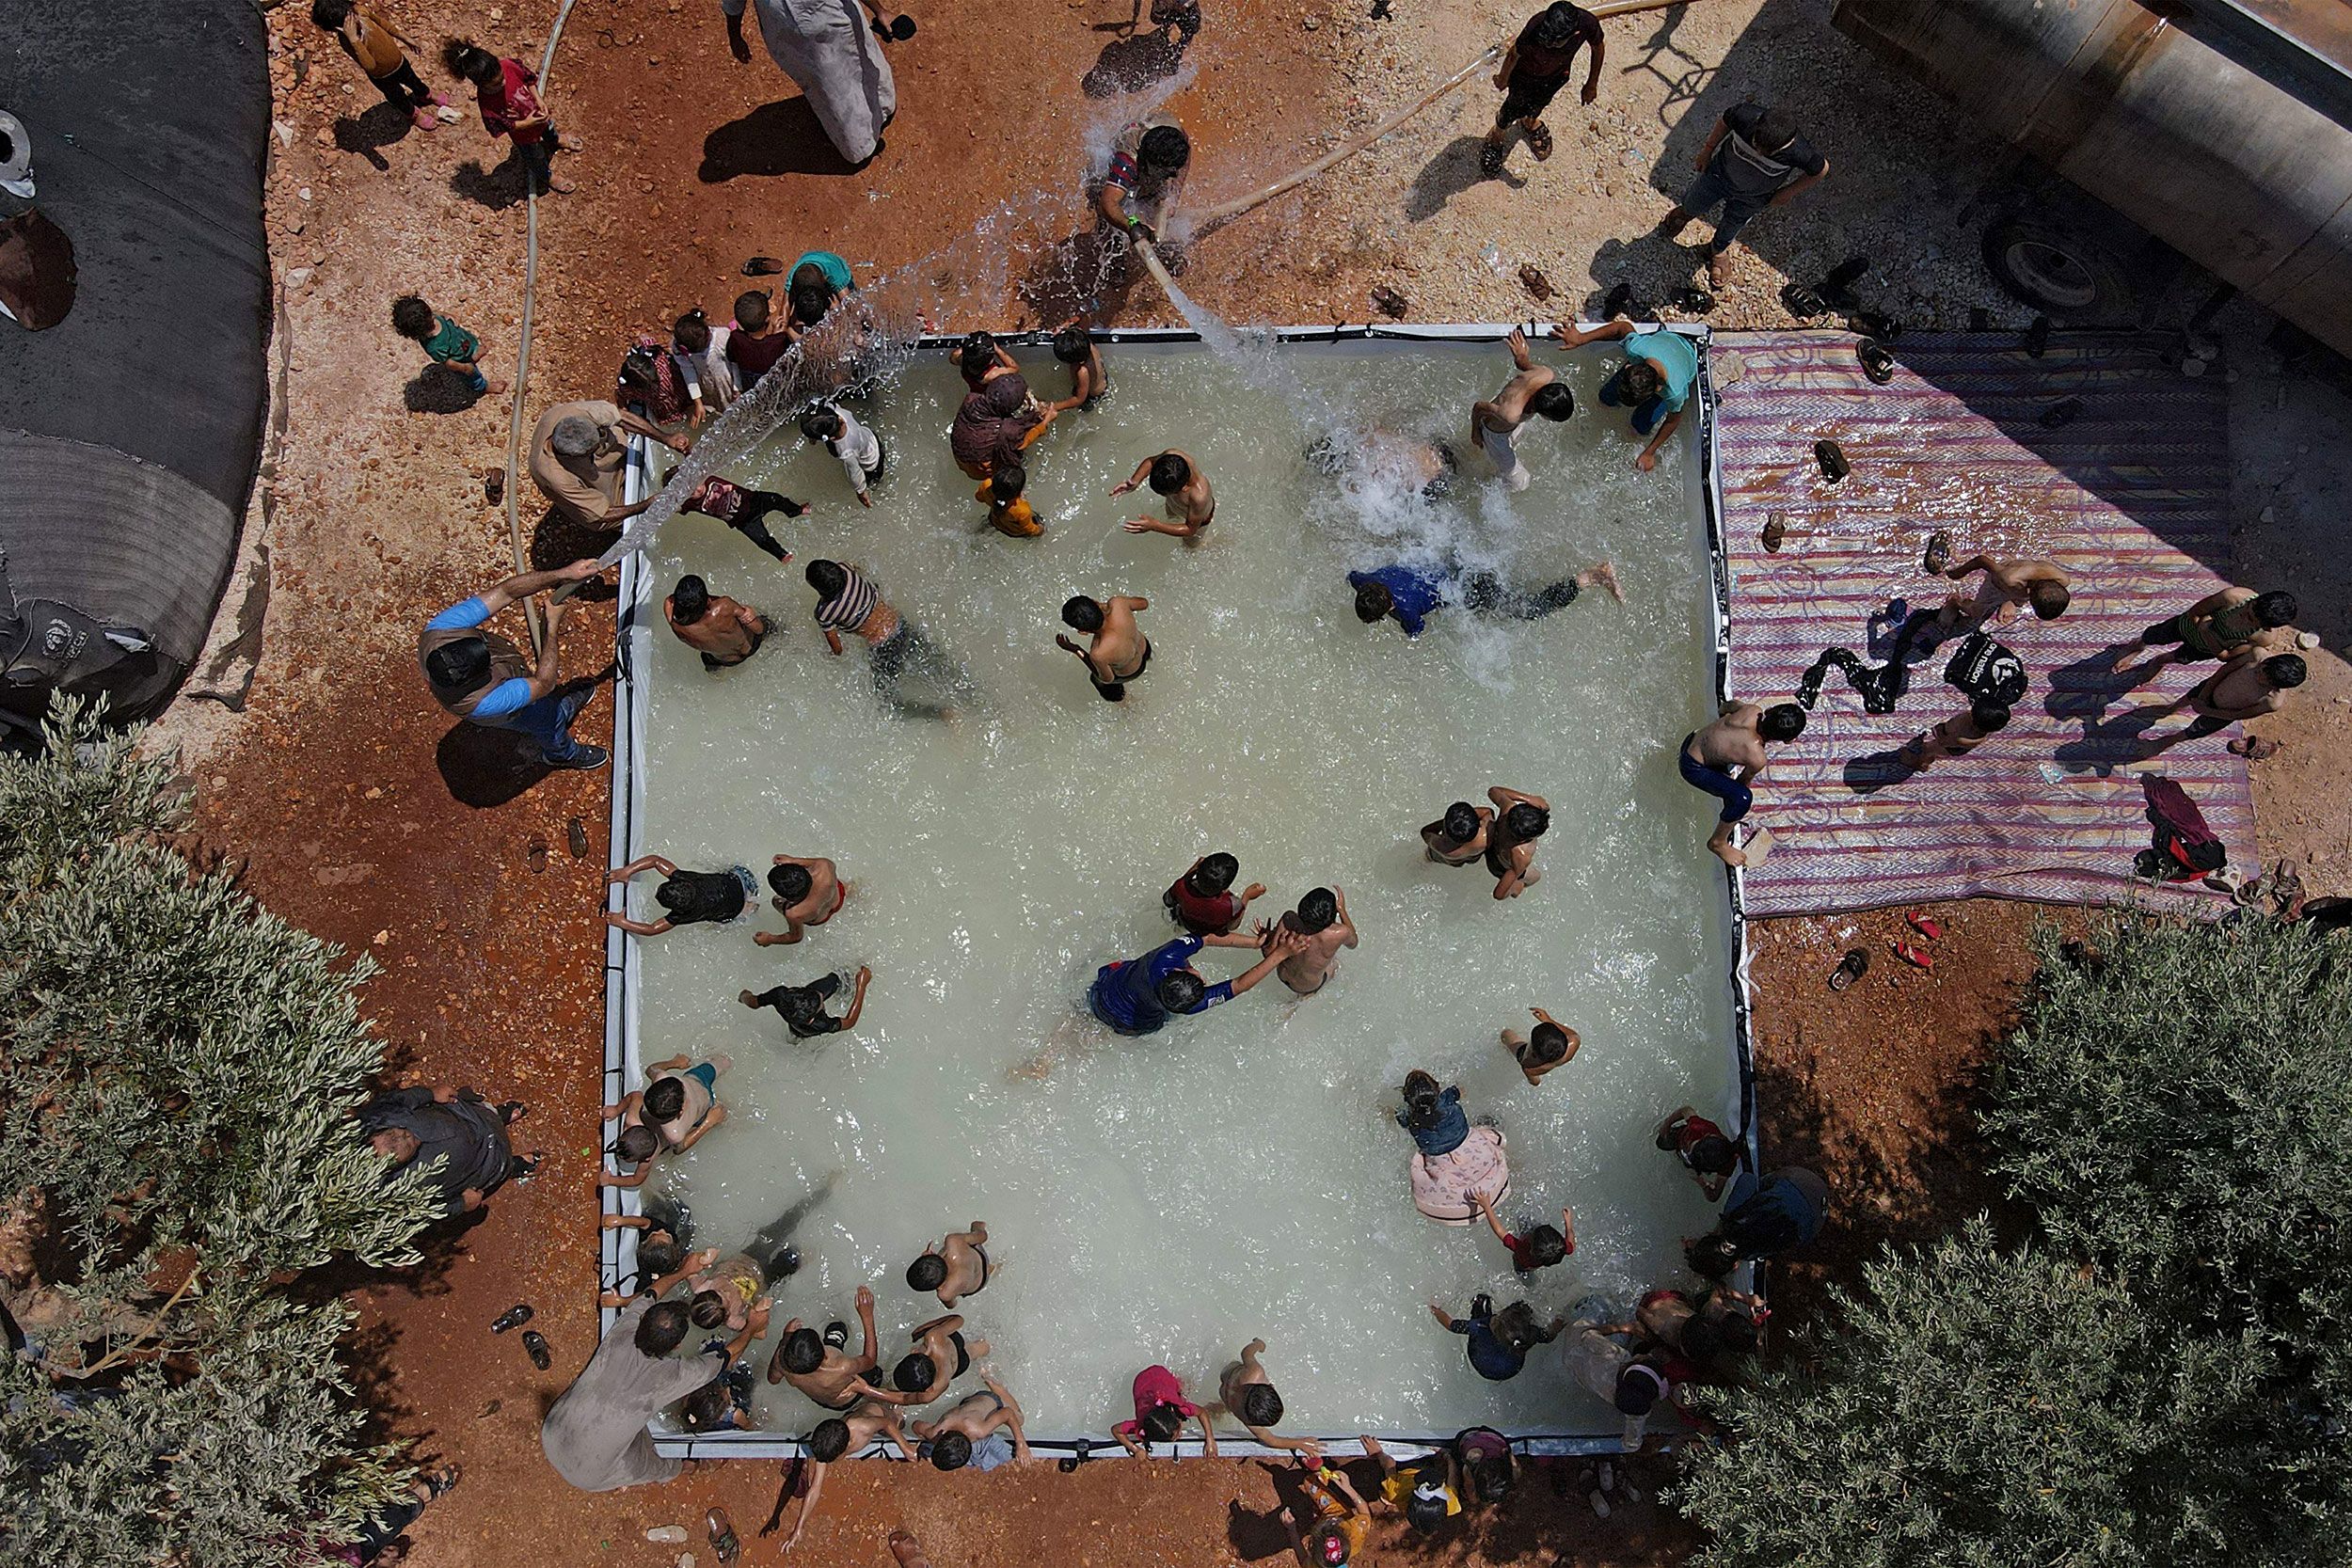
[2250, 178]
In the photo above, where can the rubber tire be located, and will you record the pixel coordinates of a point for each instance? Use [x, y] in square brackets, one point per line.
[2107, 284]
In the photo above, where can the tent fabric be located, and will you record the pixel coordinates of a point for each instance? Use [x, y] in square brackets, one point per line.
[130, 431]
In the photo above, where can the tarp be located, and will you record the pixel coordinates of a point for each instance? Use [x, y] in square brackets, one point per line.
[130, 431]
[2128, 490]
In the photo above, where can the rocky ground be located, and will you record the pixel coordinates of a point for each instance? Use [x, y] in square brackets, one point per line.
[362, 815]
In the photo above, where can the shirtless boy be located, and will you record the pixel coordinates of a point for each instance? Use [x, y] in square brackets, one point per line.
[1076, 347]
[723, 630]
[807, 892]
[969, 1422]
[820, 1365]
[1553, 1044]
[1191, 504]
[1520, 821]
[1494, 422]
[956, 1268]
[2007, 584]
[1248, 1395]
[1458, 837]
[1119, 652]
[677, 1105]
[925, 1370]
[2251, 684]
[1321, 919]
[836, 1437]
[2215, 626]
[1727, 756]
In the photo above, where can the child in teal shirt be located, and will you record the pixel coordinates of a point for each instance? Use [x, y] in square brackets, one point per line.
[445, 342]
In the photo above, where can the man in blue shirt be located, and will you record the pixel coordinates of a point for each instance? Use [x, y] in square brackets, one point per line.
[1763, 1219]
[1136, 996]
[1655, 380]
[484, 679]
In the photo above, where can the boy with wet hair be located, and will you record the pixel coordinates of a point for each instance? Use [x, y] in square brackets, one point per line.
[1009, 509]
[969, 1433]
[1321, 919]
[2215, 627]
[1521, 819]
[678, 1105]
[1458, 837]
[1146, 175]
[1654, 382]
[1190, 504]
[1074, 346]
[920, 1371]
[1248, 1396]
[753, 347]
[1754, 159]
[1727, 758]
[1534, 70]
[2007, 584]
[857, 448]
[1137, 996]
[954, 1268]
[1119, 652]
[725, 631]
[1202, 900]
[1541, 1247]
[744, 509]
[505, 91]
[2247, 687]
[1494, 422]
[1551, 1045]
[818, 1364]
[808, 891]
[1709, 1154]
[445, 342]
[802, 1007]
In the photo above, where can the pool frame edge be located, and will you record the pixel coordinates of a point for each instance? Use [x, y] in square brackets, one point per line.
[617, 1249]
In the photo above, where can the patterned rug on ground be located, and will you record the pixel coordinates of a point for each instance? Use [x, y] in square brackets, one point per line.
[2096, 455]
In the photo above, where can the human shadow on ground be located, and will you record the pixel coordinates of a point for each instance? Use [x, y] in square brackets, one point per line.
[436, 390]
[1138, 59]
[496, 188]
[363, 133]
[781, 137]
[557, 541]
[1450, 171]
[1685, 73]
[439, 1246]
[1083, 277]
[484, 766]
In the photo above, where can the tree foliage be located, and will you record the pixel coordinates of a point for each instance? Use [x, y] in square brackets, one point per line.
[175, 1141]
[2161, 1377]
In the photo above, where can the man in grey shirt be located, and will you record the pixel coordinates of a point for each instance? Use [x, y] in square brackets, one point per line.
[1754, 159]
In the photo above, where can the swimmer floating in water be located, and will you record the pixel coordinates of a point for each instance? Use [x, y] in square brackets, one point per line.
[1120, 650]
[807, 892]
[1410, 594]
[1494, 422]
[689, 898]
[1191, 505]
[802, 1007]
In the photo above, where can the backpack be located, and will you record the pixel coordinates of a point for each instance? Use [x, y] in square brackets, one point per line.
[1984, 670]
[2185, 848]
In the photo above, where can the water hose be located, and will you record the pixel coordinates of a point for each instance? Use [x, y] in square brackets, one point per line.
[1210, 217]
[522, 349]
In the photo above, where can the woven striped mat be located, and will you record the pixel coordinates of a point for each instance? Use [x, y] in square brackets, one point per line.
[2130, 494]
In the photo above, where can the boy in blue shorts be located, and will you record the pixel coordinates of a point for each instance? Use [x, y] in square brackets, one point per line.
[1725, 758]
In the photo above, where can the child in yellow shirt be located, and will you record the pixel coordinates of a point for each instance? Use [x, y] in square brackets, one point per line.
[1008, 511]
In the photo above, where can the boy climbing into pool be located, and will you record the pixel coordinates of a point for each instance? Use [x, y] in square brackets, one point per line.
[955, 1268]
[677, 1105]
[969, 1433]
[807, 892]
[1321, 919]
[687, 897]
[1120, 650]
[1248, 1396]
[1136, 996]
[1190, 504]
[1654, 382]
[1202, 900]
[802, 1007]
[1494, 422]
[1727, 757]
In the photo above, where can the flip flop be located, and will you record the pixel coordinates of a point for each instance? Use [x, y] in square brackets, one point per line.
[1776, 531]
[1925, 925]
[724, 1540]
[1852, 967]
[1915, 957]
[1939, 554]
[1539, 142]
[762, 266]
[442, 1480]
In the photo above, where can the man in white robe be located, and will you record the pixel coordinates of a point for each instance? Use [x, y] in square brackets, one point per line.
[829, 48]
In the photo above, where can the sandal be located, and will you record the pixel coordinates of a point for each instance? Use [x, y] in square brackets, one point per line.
[1539, 141]
[762, 266]
[441, 1480]
[1939, 553]
[724, 1540]
[512, 1111]
[1852, 967]
[1925, 925]
[1916, 957]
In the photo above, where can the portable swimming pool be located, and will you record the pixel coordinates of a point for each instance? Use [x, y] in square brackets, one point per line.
[1237, 1175]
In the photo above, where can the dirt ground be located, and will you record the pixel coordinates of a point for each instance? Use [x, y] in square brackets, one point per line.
[362, 815]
